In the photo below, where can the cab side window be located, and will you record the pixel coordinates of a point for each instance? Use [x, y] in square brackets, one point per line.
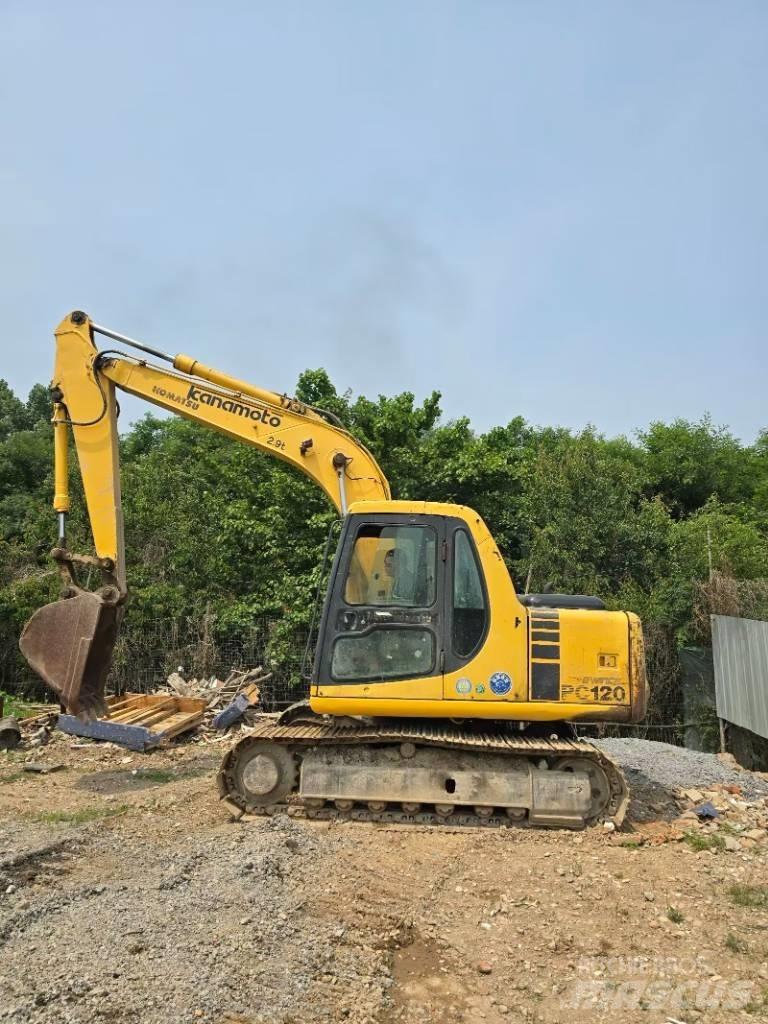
[469, 610]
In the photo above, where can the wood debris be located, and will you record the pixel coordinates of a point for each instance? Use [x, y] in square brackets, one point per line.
[216, 693]
[247, 699]
[140, 721]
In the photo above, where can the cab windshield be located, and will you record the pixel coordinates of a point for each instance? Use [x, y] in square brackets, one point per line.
[393, 565]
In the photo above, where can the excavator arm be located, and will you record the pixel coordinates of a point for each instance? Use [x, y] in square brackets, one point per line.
[70, 642]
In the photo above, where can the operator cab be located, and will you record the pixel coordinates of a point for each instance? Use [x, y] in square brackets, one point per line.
[406, 599]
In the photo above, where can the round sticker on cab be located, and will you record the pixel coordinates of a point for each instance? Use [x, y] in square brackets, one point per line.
[500, 683]
[463, 686]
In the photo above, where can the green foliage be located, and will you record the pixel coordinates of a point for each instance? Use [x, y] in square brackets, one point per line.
[734, 944]
[753, 896]
[81, 816]
[731, 536]
[704, 841]
[13, 705]
[158, 775]
[589, 528]
[687, 463]
[13, 413]
[217, 530]
[758, 1007]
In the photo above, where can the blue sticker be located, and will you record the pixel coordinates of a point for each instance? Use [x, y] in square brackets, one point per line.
[463, 685]
[479, 688]
[500, 683]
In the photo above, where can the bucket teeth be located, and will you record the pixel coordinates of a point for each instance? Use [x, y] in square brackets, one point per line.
[69, 643]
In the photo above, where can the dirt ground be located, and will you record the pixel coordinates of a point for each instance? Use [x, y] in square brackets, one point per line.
[128, 894]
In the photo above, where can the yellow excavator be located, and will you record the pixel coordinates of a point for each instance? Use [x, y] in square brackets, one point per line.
[438, 693]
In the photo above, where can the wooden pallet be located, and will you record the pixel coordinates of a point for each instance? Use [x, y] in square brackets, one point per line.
[140, 721]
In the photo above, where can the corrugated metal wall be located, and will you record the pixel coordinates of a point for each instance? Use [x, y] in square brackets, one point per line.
[740, 651]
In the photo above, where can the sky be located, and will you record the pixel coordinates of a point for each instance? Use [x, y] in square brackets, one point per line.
[553, 210]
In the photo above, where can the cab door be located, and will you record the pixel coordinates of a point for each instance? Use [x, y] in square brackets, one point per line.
[382, 634]
[486, 649]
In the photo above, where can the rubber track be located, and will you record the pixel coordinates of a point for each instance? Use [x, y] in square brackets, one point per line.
[301, 734]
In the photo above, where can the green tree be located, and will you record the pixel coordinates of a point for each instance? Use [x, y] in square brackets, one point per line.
[588, 527]
[13, 414]
[688, 463]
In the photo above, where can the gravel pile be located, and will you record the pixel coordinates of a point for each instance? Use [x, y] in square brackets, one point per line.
[671, 767]
[224, 932]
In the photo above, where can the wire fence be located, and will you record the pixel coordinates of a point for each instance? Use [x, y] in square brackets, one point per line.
[146, 655]
[147, 652]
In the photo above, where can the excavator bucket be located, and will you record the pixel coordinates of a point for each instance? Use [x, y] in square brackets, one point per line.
[69, 643]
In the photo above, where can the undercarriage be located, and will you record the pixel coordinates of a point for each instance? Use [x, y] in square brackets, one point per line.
[420, 771]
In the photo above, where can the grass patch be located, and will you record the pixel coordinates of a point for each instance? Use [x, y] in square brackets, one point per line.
[81, 816]
[735, 945]
[14, 777]
[20, 708]
[700, 841]
[759, 1006]
[753, 896]
[675, 916]
[160, 775]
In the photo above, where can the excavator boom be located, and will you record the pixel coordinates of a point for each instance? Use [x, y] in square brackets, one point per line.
[70, 642]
